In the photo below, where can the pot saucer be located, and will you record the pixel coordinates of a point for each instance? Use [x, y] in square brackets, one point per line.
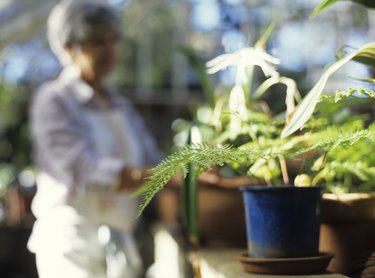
[303, 265]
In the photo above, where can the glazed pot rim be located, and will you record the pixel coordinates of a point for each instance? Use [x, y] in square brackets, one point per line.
[278, 188]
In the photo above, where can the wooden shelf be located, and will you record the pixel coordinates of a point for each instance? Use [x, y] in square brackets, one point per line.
[222, 262]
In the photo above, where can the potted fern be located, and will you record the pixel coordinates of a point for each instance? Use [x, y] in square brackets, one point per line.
[280, 153]
[220, 119]
[315, 150]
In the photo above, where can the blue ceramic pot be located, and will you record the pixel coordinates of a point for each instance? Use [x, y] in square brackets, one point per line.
[282, 221]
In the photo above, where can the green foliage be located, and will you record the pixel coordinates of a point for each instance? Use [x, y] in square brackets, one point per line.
[324, 136]
[318, 140]
[14, 136]
[7, 176]
[325, 4]
[198, 66]
[348, 163]
[15, 146]
[9, 100]
[337, 156]
[203, 156]
[307, 106]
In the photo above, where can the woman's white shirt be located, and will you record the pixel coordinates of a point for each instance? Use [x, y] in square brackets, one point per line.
[80, 150]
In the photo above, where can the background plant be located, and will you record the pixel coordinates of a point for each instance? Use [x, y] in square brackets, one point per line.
[320, 143]
[14, 137]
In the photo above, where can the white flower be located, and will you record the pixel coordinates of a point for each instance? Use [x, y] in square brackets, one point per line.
[243, 59]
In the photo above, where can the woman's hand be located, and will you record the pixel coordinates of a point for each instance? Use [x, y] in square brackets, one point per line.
[214, 179]
[132, 178]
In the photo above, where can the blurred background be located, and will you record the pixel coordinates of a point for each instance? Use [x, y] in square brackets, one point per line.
[155, 73]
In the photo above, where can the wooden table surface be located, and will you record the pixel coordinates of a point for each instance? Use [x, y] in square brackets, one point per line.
[222, 263]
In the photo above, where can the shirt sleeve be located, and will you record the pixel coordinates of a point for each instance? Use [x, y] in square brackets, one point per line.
[62, 146]
[152, 154]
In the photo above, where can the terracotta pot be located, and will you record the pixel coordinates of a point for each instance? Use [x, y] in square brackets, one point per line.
[347, 229]
[221, 217]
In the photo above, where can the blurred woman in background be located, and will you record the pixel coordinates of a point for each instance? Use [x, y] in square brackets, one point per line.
[91, 149]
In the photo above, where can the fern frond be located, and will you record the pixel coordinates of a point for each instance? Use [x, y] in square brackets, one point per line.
[333, 138]
[360, 176]
[201, 155]
[340, 95]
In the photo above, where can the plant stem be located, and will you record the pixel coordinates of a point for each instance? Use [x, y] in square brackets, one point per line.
[284, 169]
[248, 86]
[192, 205]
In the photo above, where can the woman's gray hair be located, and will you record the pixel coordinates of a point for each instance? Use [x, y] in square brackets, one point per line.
[73, 21]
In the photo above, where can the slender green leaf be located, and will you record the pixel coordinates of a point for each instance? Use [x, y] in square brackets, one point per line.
[266, 35]
[200, 70]
[325, 4]
[368, 80]
[322, 6]
[306, 108]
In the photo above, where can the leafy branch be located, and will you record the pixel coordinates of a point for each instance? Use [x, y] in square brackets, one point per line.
[203, 156]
